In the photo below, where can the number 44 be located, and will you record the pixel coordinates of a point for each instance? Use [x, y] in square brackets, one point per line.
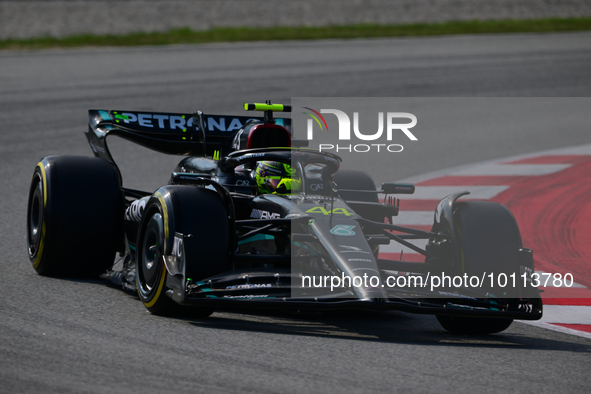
[336, 211]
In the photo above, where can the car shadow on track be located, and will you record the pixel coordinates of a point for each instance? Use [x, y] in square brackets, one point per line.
[385, 327]
[393, 327]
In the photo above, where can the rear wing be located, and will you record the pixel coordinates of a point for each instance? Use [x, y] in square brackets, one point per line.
[170, 133]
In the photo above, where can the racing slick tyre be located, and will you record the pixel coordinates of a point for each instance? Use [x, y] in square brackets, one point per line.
[187, 222]
[356, 180]
[74, 216]
[488, 241]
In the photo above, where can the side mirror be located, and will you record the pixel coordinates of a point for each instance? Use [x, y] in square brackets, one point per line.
[398, 188]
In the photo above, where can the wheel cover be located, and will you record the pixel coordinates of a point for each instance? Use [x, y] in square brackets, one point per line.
[150, 262]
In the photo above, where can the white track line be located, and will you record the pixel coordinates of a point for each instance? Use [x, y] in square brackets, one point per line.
[566, 314]
[414, 218]
[571, 150]
[495, 169]
[438, 192]
[552, 327]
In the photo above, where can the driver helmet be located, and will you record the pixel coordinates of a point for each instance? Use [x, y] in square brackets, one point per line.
[274, 177]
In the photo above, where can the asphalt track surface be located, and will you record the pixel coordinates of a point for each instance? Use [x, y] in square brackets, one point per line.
[63, 335]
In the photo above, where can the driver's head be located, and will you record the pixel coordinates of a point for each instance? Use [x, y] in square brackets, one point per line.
[274, 177]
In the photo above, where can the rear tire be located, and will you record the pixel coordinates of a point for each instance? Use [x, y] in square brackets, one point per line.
[358, 180]
[74, 217]
[488, 241]
[355, 180]
[197, 214]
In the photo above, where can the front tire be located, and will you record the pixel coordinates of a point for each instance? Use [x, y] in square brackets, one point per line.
[197, 215]
[488, 241]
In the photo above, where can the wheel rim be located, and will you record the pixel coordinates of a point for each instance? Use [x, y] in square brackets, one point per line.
[150, 264]
[35, 219]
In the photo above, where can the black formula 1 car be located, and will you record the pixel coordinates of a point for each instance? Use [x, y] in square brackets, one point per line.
[214, 237]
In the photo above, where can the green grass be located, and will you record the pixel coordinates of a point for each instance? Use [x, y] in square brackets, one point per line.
[188, 36]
